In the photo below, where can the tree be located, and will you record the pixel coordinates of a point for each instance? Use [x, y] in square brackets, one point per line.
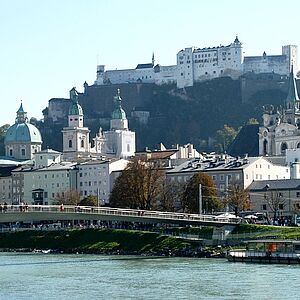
[171, 196]
[138, 186]
[68, 198]
[237, 198]
[252, 121]
[224, 137]
[210, 201]
[90, 200]
[275, 201]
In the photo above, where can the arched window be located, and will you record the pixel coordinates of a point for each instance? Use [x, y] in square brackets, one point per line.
[70, 144]
[265, 147]
[283, 148]
[82, 143]
[10, 152]
[298, 145]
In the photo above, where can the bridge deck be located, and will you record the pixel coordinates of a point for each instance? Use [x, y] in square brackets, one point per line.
[36, 213]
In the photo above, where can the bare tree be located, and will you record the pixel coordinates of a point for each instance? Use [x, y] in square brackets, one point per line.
[275, 201]
[71, 197]
[237, 198]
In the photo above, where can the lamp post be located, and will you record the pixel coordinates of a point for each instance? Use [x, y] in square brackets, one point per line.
[200, 199]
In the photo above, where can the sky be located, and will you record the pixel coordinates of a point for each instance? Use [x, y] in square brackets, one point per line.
[48, 47]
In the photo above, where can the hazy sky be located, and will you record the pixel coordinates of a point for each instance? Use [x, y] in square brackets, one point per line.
[47, 47]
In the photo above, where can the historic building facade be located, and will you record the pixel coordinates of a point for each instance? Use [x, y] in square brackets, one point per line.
[280, 130]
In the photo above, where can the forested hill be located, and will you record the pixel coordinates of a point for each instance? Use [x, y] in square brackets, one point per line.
[190, 115]
[195, 114]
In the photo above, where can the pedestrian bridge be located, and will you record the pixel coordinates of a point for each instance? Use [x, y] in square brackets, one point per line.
[40, 213]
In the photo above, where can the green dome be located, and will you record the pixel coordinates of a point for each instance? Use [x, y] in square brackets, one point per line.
[75, 109]
[23, 133]
[118, 113]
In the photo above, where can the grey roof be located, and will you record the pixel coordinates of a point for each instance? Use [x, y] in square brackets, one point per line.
[51, 151]
[278, 58]
[144, 66]
[276, 160]
[280, 184]
[214, 164]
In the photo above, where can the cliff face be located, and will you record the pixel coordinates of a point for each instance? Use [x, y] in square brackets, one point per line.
[192, 115]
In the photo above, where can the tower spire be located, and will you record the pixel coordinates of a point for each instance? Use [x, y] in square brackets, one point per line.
[153, 60]
[292, 97]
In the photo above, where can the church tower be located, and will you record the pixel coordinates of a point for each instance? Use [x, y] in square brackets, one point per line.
[292, 102]
[75, 136]
[120, 141]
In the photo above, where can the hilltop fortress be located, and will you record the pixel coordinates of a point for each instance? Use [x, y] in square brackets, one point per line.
[199, 64]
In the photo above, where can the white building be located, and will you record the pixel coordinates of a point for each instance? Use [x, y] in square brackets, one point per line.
[226, 169]
[96, 177]
[279, 64]
[195, 64]
[45, 185]
[198, 64]
[6, 184]
[75, 137]
[119, 140]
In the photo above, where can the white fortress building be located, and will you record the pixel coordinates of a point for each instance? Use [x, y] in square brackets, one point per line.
[199, 64]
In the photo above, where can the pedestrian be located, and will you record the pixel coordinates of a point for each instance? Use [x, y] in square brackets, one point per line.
[5, 207]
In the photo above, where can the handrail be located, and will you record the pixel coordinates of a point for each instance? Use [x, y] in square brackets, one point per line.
[118, 211]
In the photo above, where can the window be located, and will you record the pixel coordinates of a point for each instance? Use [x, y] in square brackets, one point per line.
[10, 152]
[280, 206]
[298, 194]
[23, 152]
[222, 177]
[70, 144]
[264, 207]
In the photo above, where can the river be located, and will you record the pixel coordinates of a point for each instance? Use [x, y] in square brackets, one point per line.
[60, 276]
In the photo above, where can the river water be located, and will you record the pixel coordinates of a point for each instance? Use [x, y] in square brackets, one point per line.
[59, 276]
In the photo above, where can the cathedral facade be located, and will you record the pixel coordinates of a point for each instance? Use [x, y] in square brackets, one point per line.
[118, 141]
[281, 127]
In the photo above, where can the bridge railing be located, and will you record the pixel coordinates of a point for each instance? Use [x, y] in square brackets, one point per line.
[118, 212]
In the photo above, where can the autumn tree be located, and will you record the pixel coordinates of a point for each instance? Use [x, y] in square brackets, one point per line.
[210, 201]
[139, 185]
[224, 137]
[90, 200]
[237, 198]
[68, 198]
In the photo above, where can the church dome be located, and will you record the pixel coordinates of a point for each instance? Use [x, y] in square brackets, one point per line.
[23, 133]
[119, 112]
[75, 109]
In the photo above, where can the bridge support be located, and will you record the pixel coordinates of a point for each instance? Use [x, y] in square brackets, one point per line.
[221, 233]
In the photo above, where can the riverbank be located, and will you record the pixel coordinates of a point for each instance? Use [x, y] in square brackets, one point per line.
[101, 241]
[133, 242]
